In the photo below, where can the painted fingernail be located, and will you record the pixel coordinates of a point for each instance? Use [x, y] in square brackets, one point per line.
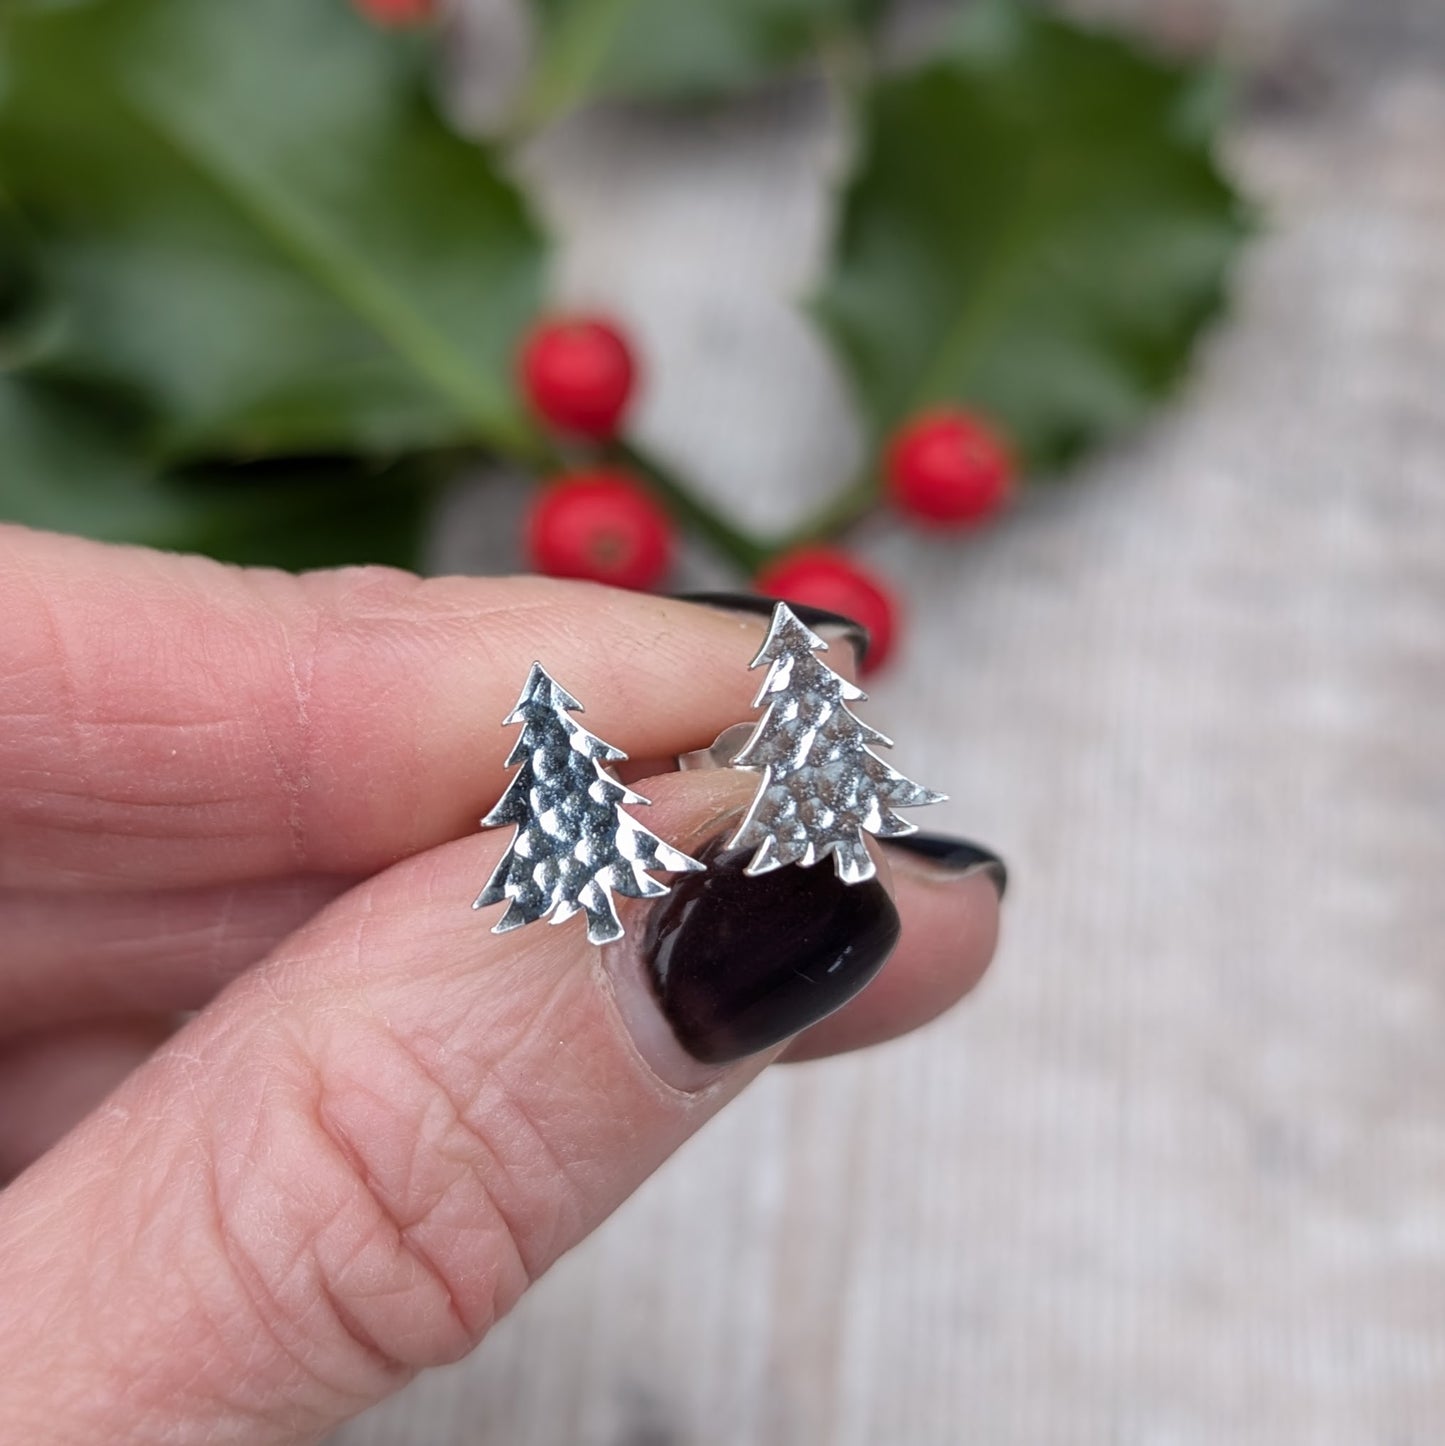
[740, 964]
[829, 626]
[955, 856]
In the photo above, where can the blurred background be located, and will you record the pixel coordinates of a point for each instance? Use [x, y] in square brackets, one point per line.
[1176, 1175]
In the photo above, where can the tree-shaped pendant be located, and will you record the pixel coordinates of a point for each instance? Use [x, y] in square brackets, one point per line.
[574, 845]
[823, 787]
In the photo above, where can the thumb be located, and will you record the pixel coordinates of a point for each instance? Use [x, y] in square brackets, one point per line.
[359, 1157]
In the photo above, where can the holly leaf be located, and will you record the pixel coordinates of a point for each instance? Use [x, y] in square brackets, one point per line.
[673, 49]
[72, 459]
[1037, 229]
[253, 214]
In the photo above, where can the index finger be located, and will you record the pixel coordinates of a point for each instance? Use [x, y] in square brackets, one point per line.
[173, 721]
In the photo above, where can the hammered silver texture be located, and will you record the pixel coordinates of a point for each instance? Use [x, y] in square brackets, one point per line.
[823, 786]
[574, 845]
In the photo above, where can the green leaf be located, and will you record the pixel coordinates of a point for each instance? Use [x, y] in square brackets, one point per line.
[673, 49]
[254, 214]
[72, 460]
[1037, 229]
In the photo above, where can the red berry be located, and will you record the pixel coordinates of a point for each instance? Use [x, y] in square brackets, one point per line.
[602, 526]
[578, 374]
[397, 12]
[949, 469]
[827, 578]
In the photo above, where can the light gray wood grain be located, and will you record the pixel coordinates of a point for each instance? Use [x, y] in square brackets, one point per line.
[1177, 1175]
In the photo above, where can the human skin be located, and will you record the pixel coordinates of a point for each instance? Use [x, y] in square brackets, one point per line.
[254, 796]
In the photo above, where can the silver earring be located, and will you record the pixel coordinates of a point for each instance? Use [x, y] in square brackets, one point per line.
[822, 787]
[574, 845]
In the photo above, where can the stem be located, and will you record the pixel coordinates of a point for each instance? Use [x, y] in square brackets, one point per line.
[746, 552]
[574, 50]
[847, 65]
[844, 511]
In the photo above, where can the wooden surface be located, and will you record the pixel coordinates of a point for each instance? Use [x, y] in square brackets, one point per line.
[1177, 1175]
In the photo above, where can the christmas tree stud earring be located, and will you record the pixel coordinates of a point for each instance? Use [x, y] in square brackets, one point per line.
[823, 787]
[574, 845]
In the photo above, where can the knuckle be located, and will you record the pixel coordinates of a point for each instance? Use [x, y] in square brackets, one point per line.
[353, 601]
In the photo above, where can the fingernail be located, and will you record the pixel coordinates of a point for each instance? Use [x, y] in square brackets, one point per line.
[740, 964]
[829, 626]
[954, 856]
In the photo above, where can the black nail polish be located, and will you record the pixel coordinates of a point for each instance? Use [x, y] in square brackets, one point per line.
[739, 964]
[819, 619]
[955, 856]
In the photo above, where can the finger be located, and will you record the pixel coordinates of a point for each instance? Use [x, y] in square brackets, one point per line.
[172, 722]
[71, 957]
[950, 916]
[85, 957]
[361, 1155]
[50, 1082]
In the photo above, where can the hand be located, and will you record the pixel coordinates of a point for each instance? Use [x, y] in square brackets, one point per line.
[255, 796]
